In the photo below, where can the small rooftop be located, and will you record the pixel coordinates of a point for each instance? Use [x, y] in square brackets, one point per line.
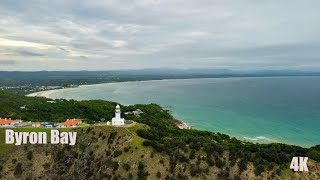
[6, 121]
[71, 122]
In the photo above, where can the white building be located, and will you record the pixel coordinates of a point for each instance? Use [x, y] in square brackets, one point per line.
[117, 120]
[137, 112]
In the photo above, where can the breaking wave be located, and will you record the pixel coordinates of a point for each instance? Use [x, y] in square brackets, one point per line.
[258, 138]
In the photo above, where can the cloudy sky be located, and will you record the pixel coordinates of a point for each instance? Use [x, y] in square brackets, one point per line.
[123, 34]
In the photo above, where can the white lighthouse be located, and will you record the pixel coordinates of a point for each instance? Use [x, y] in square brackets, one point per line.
[117, 120]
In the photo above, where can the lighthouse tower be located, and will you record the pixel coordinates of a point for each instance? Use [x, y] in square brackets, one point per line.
[117, 120]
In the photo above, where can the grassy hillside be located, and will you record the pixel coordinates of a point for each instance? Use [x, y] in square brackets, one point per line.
[152, 149]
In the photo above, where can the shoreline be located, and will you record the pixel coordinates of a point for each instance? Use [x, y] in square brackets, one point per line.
[261, 139]
[41, 93]
[181, 124]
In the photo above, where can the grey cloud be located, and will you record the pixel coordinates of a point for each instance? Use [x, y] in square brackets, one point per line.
[27, 53]
[7, 62]
[162, 33]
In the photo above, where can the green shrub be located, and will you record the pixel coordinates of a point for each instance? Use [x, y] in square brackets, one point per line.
[18, 170]
[117, 153]
[158, 174]
[29, 155]
[126, 166]
[142, 174]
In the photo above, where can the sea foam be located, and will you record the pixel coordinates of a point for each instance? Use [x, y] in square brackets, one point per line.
[257, 138]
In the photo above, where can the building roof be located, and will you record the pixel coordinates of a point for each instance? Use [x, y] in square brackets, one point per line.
[36, 123]
[71, 122]
[6, 121]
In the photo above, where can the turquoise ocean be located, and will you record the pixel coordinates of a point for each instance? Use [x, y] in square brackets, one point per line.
[268, 109]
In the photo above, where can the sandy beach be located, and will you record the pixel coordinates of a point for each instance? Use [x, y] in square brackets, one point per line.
[45, 93]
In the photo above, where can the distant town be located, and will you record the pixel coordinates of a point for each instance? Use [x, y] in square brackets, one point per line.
[25, 89]
[9, 123]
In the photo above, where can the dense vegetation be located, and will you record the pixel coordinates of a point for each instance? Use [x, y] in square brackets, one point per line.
[197, 151]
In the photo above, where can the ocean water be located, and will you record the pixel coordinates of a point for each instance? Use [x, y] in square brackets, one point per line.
[272, 109]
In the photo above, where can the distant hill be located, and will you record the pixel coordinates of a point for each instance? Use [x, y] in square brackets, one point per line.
[28, 82]
[145, 72]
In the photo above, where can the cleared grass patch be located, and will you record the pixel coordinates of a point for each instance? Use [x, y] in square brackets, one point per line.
[4, 148]
[137, 140]
[83, 125]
